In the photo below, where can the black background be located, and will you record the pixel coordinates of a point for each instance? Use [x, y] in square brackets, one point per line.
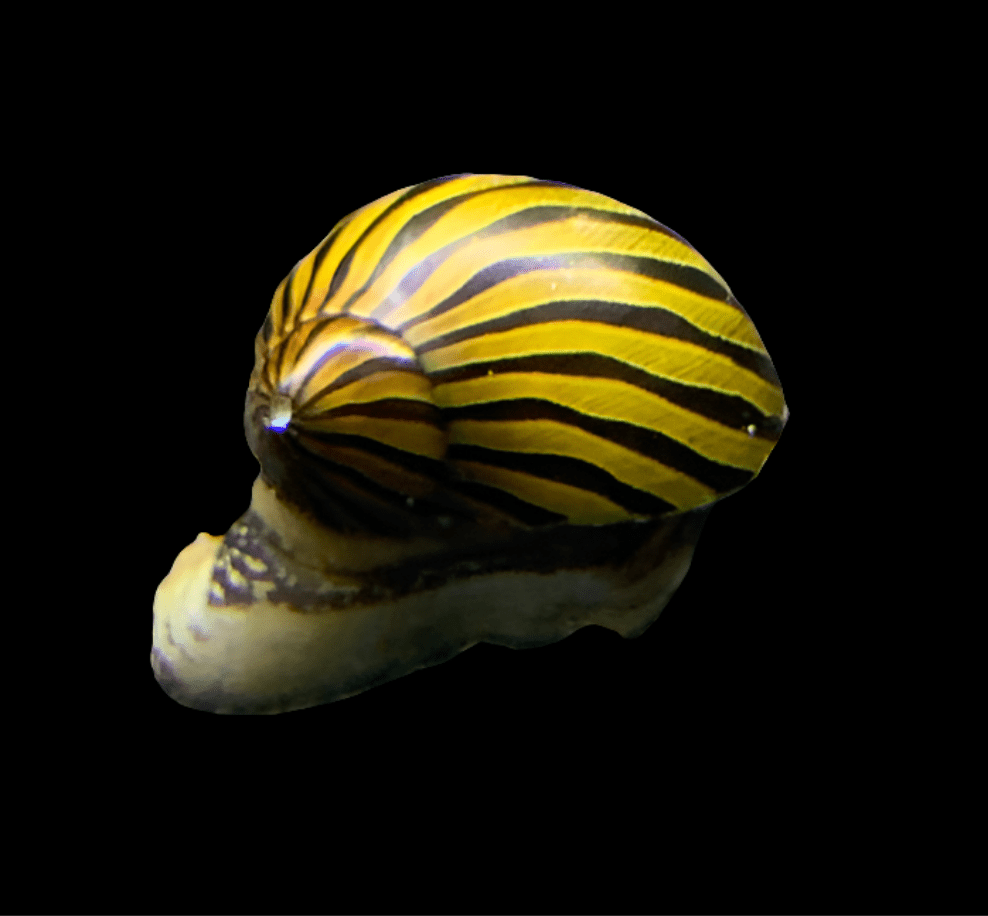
[176, 175]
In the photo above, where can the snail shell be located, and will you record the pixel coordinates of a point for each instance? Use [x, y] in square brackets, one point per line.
[486, 409]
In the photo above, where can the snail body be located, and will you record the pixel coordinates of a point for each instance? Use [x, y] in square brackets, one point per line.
[486, 409]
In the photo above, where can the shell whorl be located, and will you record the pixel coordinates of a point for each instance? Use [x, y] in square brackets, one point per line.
[342, 420]
[509, 347]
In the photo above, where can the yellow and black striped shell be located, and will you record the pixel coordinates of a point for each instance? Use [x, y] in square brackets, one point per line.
[481, 382]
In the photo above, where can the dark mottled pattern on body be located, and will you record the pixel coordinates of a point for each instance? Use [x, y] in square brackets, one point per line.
[251, 542]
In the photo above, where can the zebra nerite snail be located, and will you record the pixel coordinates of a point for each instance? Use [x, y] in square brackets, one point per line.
[487, 409]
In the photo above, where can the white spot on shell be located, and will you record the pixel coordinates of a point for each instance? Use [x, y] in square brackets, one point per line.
[279, 413]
